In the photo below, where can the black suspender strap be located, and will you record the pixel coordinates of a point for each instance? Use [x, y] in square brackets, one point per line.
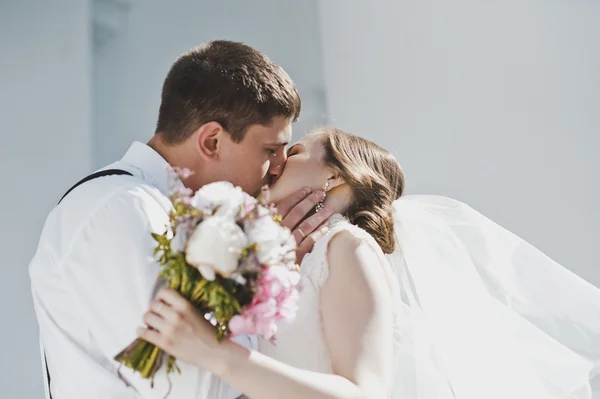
[102, 173]
[47, 375]
[108, 172]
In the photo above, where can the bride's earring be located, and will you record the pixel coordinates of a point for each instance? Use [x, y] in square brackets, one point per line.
[321, 203]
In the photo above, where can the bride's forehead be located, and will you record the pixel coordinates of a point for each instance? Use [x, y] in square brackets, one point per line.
[311, 140]
[313, 146]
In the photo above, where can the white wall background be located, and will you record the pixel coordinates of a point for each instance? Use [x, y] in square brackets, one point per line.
[45, 89]
[493, 103]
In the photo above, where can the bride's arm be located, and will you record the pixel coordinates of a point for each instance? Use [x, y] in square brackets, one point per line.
[357, 315]
[356, 308]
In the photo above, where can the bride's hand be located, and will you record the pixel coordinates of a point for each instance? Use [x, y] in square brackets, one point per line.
[175, 326]
[307, 232]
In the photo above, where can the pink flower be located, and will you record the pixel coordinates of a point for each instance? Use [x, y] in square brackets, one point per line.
[183, 173]
[276, 299]
[288, 305]
[276, 279]
[256, 319]
[272, 289]
[240, 324]
[181, 194]
[267, 328]
[264, 310]
[248, 206]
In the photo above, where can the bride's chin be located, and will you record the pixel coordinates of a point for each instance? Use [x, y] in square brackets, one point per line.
[279, 192]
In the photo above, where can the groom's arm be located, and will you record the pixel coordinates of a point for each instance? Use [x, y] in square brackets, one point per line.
[113, 273]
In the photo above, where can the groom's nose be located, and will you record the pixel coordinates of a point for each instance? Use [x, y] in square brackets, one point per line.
[277, 166]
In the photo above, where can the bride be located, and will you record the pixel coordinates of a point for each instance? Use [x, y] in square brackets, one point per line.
[412, 297]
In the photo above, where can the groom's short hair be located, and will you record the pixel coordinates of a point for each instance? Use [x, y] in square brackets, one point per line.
[227, 82]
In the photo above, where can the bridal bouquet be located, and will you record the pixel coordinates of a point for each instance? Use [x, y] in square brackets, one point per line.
[226, 252]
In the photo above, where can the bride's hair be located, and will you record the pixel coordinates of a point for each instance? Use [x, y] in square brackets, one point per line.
[375, 177]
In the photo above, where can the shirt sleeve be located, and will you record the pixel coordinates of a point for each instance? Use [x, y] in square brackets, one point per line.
[112, 271]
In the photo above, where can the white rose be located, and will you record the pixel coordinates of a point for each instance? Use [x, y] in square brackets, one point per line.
[222, 196]
[287, 239]
[289, 248]
[271, 240]
[215, 247]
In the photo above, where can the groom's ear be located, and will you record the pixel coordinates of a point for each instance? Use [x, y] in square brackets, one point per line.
[209, 140]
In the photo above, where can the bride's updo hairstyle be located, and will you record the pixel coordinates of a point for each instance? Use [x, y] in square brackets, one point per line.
[375, 178]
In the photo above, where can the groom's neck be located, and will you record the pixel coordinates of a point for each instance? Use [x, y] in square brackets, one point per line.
[167, 151]
[179, 156]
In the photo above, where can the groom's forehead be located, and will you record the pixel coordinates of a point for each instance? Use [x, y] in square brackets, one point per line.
[274, 134]
[284, 136]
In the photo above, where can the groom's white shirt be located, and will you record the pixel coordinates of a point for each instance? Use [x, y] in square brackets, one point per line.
[93, 277]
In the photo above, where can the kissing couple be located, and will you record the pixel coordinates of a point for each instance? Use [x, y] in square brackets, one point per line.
[404, 297]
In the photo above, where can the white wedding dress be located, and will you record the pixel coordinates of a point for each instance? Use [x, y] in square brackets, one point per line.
[300, 343]
[478, 312]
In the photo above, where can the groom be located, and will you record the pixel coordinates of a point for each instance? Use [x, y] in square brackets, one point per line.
[226, 114]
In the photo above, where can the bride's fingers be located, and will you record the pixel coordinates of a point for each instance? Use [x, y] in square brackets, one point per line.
[299, 211]
[307, 244]
[285, 206]
[155, 321]
[151, 336]
[308, 227]
[174, 300]
[163, 310]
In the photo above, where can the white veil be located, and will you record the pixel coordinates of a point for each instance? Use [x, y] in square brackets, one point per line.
[483, 314]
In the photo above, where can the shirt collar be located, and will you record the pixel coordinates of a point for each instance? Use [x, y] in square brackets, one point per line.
[153, 167]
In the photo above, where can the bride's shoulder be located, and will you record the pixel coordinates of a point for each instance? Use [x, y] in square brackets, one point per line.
[341, 237]
[344, 233]
[346, 242]
[345, 238]
[352, 258]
